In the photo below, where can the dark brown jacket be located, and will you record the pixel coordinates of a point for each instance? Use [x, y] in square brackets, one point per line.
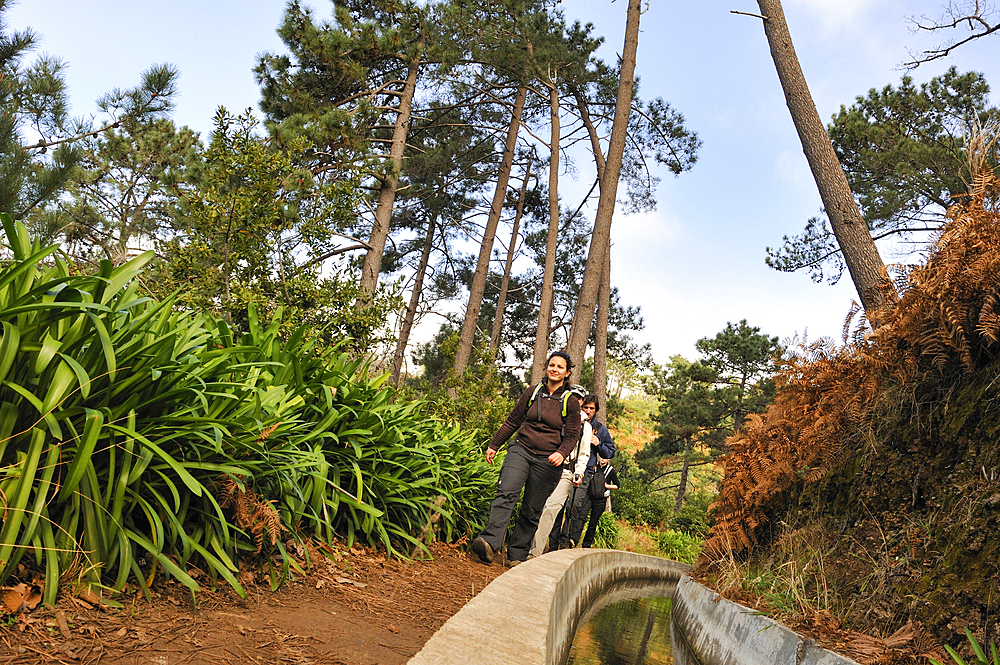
[539, 428]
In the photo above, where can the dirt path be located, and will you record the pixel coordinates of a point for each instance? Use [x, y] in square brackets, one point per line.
[359, 610]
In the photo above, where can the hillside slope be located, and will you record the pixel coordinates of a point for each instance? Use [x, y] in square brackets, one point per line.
[872, 484]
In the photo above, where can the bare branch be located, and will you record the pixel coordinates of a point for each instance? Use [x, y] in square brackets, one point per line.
[733, 11]
[976, 15]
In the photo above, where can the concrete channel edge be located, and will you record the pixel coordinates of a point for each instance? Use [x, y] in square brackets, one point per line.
[722, 632]
[530, 614]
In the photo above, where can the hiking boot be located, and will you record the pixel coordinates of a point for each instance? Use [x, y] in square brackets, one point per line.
[482, 549]
[512, 562]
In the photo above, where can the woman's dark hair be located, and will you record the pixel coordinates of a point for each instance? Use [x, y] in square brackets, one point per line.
[564, 356]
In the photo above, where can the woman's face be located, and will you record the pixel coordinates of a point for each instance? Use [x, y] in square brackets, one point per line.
[557, 370]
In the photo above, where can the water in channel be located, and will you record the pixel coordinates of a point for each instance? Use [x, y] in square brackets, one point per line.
[628, 632]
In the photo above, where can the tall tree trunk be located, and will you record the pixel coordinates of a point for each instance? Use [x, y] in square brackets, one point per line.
[601, 238]
[504, 283]
[387, 192]
[468, 335]
[601, 336]
[604, 293]
[682, 486]
[855, 240]
[739, 404]
[549, 273]
[411, 308]
[588, 123]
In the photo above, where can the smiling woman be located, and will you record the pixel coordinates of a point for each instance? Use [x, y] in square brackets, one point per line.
[547, 421]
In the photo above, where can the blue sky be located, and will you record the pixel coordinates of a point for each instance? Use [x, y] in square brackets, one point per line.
[698, 261]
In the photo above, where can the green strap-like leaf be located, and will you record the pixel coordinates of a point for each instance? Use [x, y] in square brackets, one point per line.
[9, 347]
[19, 499]
[26, 265]
[107, 347]
[81, 374]
[164, 561]
[63, 379]
[184, 476]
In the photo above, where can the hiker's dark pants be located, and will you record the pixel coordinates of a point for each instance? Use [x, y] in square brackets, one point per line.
[583, 507]
[560, 525]
[538, 478]
[596, 510]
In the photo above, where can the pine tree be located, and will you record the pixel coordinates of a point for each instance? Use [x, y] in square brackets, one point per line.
[33, 117]
[860, 253]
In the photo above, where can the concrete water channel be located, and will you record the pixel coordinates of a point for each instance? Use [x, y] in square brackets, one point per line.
[530, 615]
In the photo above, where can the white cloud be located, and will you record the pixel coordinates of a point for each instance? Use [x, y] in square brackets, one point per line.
[645, 233]
[838, 14]
[792, 168]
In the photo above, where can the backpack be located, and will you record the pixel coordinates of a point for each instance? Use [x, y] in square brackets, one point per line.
[574, 389]
[596, 488]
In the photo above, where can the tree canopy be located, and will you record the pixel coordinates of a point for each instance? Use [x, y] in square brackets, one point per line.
[702, 403]
[902, 149]
[386, 144]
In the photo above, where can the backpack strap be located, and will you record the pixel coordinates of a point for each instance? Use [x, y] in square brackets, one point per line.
[534, 394]
[565, 406]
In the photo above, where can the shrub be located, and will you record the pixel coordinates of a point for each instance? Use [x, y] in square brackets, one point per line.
[479, 400]
[479, 403]
[692, 518]
[606, 535]
[633, 501]
[635, 504]
[679, 546]
[126, 426]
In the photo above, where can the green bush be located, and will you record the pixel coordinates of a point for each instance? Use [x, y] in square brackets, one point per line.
[692, 518]
[128, 428]
[479, 400]
[634, 502]
[606, 535]
[637, 505]
[678, 546]
[479, 403]
[615, 409]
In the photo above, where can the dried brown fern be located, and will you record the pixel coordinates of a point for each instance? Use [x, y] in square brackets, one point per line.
[945, 325]
[268, 431]
[251, 514]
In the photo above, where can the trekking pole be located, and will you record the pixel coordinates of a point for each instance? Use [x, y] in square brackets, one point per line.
[567, 520]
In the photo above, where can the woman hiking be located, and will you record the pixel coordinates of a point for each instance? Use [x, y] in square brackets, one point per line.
[547, 422]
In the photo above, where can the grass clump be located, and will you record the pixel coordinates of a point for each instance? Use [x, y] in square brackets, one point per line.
[606, 535]
[981, 658]
[678, 546]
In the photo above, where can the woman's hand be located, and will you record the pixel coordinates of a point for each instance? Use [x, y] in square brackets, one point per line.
[490, 454]
[556, 459]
